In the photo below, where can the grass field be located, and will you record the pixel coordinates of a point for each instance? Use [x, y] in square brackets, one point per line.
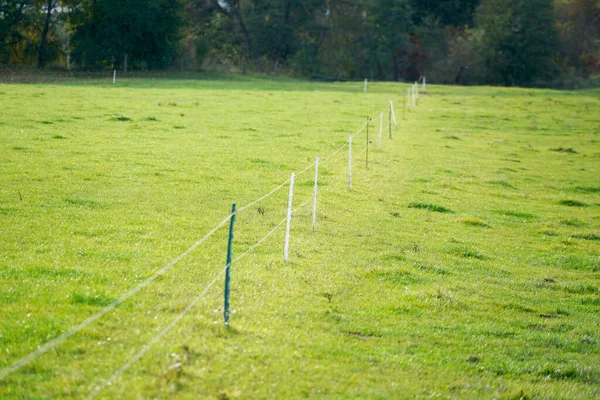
[464, 263]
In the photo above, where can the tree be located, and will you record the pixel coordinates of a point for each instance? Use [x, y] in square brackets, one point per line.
[359, 39]
[389, 22]
[233, 9]
[447, 12]
[519, 42]
[19, 22]
[579, 26]
[108, 32]
[43, 56]
[278, 27]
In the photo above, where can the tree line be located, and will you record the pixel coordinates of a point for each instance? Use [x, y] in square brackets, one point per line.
[508, 42]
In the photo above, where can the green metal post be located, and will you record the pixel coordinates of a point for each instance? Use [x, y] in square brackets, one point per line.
[228, 267]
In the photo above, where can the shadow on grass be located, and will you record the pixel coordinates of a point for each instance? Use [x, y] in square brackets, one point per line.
[430, 207]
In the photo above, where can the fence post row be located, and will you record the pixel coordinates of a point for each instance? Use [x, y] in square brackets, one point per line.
[417, 91]
[393, 114]
[228, 266]
[286, 249]
[226, 312]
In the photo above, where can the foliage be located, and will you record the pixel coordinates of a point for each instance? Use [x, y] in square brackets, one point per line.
[463, 63]
[19, 24]
[519, 41]
[538, 42]
[579, 25]
[449, 12]
[146, 31]
[277, 27]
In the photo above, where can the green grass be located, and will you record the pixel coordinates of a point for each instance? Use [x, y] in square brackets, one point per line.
[463, 264]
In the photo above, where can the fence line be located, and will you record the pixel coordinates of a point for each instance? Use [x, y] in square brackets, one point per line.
[73, 330]
[99, 388]
[264, 197]
[306, 169]
[154, 340]
[301, 172]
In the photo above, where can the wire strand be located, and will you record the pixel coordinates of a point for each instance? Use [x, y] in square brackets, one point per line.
[73, 330]
[259, 242]
[306, 169]
[264, 197]
[155, 339]
[164, 331]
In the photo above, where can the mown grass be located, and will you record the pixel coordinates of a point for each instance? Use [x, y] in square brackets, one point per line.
[496, 299]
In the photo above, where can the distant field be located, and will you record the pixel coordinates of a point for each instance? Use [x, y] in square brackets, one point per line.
[464, 263]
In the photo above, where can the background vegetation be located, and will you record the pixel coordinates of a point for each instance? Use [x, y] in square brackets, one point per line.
[521, 42]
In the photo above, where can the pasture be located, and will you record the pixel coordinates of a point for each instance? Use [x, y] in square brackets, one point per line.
[464, 262]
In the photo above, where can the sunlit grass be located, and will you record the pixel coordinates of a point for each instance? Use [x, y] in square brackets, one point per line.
[463, 264]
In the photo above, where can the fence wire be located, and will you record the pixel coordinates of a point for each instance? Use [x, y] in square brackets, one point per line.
[74, 329]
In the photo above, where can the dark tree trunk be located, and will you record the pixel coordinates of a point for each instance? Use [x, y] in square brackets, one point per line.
[396, 68]
[233, 9]
[459, 76]
[282, 49]
[44, 41]
[276, 62]
[237, 11]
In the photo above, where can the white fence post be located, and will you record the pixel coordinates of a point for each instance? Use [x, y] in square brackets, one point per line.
[424, 85]
[286, 249]
[365, 86]
[315, 194]
[350, 163]
[393, 114]
[114, 76]
[417, 91]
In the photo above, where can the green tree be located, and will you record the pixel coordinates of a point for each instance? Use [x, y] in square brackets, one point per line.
[339, 50]
[388, 23]
[14, 19]
[234, 10]
[25, 31]
[109, 32]
[520, 40]
[360, 39]
[279, 27]
[43, 54]
[447, 12]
